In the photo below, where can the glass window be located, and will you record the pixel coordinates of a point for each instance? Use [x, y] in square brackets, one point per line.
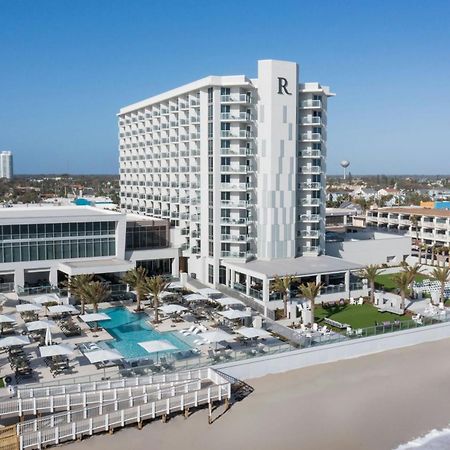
[50, 250]
[66, 249]
[65, 229]
[16, 252]
[58, 250]
[7, 253]
[25, 251]
[41, 251]
[81, 248]
[33, 252]
[73, 249]
[41, 230]
[24, 231]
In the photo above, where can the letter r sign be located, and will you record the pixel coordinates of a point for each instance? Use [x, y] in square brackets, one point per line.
[282, 86]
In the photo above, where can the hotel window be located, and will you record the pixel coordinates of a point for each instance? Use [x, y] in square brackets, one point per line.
[210, 95]
[225, 91]
[210, 273]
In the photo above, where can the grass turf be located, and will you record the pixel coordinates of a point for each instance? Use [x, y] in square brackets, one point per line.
[386, 281]
[357, 316]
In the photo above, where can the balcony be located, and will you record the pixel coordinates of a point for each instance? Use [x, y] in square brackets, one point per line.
[231, 221]
[311, 170]
[311, 137]
[195, 119]
[235, 169]
[230, 254]
[239, 134]
[311, 104]
[311, 120]
[310, 153]
[195, 250]
[235, 98]
[310, 249]
[241, 151]
[311, 186]
[195, 102]
[310, 234]
[234, 186]
[235, 117]
[242, 238]
[234, 204]
[310, 202]
[195, 136]
[309, 218]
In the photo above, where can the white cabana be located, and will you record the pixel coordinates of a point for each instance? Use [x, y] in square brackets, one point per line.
[158, 347]
[60, 309]
[233, 314]
[6, 318]
[172, 309]
[209, 292]
[49, 298]
[28, 307]
[13, 341]
[56, 350]
[94, 317]
[103, 355]
[41, 325]
[250, 332]
[195, 298]
[216, 336]
[228, 301]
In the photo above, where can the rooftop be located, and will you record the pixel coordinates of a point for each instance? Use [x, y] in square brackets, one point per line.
[301, 266]
[417, 211]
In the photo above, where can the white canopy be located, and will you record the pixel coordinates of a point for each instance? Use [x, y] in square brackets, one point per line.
[195, 298]
[228, 301]
[216, 336]
[44, 299]
[103, 355]
[25, 307]
[11, 341]
[56, 350]
[157, 346]
[172, 309]
[250, 332]
[209, 292]
[175, 285]
[41, 325]
[4, 318]
[232, 314]
[94, 317]
[59, 309]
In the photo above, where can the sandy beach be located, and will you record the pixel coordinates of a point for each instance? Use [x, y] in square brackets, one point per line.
[372, 403]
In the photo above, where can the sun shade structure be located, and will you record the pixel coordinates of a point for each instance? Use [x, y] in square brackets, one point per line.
[175, 285]
[56, 350]
[59, 309]
[4, 318]
[157, 346]
[209, 292]
[28, 307]
[103, 355]
[250, 332]
[94, 317]
[228, 301]
[195, 298]
[216, 336]
[172, 309]
[44, 299]
[41, 325]
[233, 314]
[13, 341]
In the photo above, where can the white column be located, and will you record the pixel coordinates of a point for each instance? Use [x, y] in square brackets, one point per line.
[227, 277]
[347, 283]
[247, 284]
[265, 284]
[53, 278]
[19, 278]
[232, 278]
[176, 267]
[318, 278]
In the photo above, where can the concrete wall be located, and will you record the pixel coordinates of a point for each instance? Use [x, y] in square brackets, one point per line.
[371, 251]
[283, 362]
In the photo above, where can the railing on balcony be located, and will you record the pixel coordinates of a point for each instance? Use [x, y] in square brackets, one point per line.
[311, 104]
[235, 98]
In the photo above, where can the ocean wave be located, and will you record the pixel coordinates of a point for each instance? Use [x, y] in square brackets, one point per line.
[434, 440]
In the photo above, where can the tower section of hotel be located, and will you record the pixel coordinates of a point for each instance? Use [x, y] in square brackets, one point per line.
[236, 164]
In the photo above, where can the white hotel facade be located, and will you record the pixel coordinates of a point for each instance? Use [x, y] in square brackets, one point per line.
[237, 165]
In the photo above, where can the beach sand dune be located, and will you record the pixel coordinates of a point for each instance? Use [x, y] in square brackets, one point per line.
[371, 403]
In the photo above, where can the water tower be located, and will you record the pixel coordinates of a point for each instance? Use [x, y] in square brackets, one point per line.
[345, 164]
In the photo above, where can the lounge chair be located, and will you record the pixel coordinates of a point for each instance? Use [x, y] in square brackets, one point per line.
[352, 301]
[360, 301]
[188, 331]
[315, 327]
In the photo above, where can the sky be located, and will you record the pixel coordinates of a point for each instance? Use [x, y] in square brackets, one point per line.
[66, 68]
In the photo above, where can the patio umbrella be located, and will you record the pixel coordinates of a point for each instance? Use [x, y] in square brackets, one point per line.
[94, 317]
[209, 292]
[172, 309]
[12, 341]
[44, 299]
[56, 350]
[233, 314]
[158, 346]
[228, 301]
[215, 336]
[175, 285]
[195, 298]
[250, 332]
[28, 307]
[48, 336]
[59, 309]
[5, 319]
[103, 355]
[41, 325]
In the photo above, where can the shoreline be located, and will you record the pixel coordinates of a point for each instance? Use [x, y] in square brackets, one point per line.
[374, 402]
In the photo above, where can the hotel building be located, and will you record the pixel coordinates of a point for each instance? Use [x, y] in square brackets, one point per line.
[237, 165]
[6, 165]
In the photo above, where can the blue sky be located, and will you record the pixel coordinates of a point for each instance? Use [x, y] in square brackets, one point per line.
[66, 67]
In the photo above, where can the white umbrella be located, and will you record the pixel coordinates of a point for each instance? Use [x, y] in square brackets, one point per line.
[195, 298]
[28, 307]
[41, 325]
[175, 285]
[12, 341]
[59, 309]
[158, 346]
[48, 336]
[94, 317]
[216, 336]
[56, 350]
[103, 355]
[250, 332]
[172, 309]
[233, 314]
[4, 318]
[44, 299]
[228, 301]
[209, 292]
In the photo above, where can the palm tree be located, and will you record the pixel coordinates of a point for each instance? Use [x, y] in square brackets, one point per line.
[282, 285]
[412, 272]
[415, 223]
[442, 275]
[370, 273]
[156, 286]
[96, 292]
[402, 280]
[76, 286]
[311, 291]
[137, 278]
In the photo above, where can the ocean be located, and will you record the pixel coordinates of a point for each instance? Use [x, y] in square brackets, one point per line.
[434, 440]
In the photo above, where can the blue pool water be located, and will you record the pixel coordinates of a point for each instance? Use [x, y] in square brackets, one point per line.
[128, 329]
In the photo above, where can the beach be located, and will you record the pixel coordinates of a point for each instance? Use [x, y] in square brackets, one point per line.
[375, 402]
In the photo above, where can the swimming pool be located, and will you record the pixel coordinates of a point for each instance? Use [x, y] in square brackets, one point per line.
[128, 329]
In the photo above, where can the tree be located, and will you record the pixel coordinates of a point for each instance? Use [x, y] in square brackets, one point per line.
[96, 292]
[77, 285]
[402, 280]
[415, 223]
[370, 273]
[282, 285]
[311, 291]
[156, 286]
[137, 278]
[412, 272]
[442, 275]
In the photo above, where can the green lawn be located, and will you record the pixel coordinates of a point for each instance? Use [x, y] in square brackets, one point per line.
[357, 316]
[2, 383]
[386, 281]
